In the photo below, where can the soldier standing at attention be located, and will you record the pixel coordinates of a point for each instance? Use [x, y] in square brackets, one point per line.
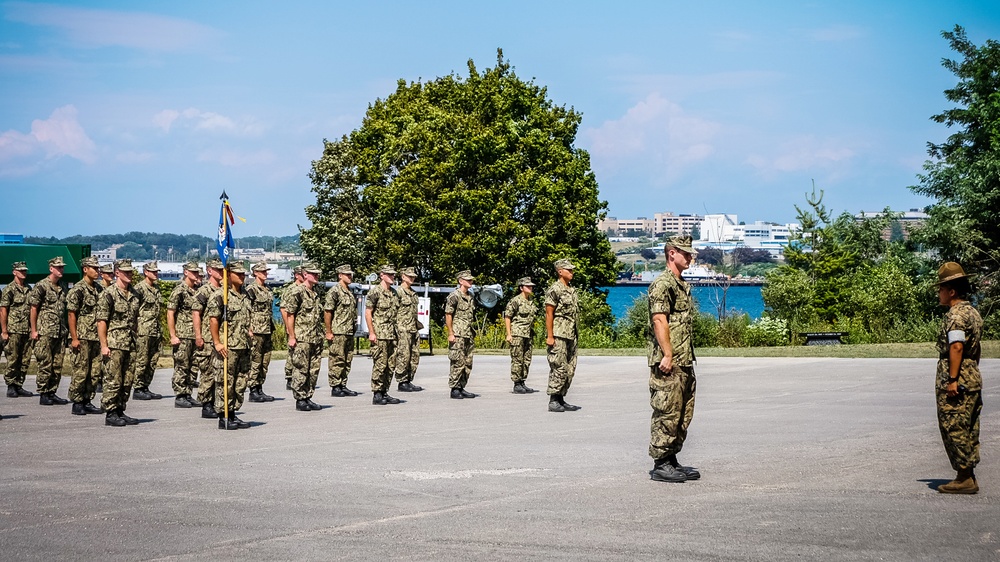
[380, 315]
[261, 325]
[15, 330]
[407, 328]
[48, 329]
[561, 327]
[959, 383]
[180, 324]
[236, 348]
[341, 322]
[519, 319]
[149, 338]
[286, 292]
[81, 306]
[117, 322]
[304, 325]
[205, 355]
[671, 364]
[459, 315]
[107, 276]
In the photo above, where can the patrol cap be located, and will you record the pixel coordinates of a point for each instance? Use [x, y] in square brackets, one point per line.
[466, 275]
[110, 268]
[564, 264]
[682, 243]
[192, 266]
[525, 282]
[345, 269]
[19, 266]
[57, 262]
[124, 265]
[409, 272]
[236, 267]
[151, 266]
[388, 269]
[950, 271]
[311, 267]
[214, 263]
[90, 261]
[260, 266]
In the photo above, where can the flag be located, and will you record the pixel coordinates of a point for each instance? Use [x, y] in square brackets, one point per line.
[225, 242]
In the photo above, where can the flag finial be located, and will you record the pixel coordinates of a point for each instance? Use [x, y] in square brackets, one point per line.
[223, 197]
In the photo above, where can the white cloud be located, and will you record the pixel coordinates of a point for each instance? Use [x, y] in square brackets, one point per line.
[804, 153]
[207, 121]
[107, 28]
[59, 135]
[656, 134]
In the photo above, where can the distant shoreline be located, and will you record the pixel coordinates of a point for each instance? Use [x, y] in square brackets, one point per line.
[696, 283]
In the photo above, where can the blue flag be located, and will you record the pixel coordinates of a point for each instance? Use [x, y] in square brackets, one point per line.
[225, 241]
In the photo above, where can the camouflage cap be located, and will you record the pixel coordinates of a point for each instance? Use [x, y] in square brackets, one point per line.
[564, 264]
[57, 262]
[466, 275]
[19, 266]
[525, 282]
[236, 267]
[388, 269]
[409, 272]
[682, 243]
[151, 266]
[345, 269]
[124, 265]
[90, 261]
[214, 263]
[192, 266]
[950, 271]
[260, 266]
[311, 267]
[108, 268]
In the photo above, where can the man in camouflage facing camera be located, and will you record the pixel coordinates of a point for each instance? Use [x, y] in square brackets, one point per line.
[149, 338]
[340, 318]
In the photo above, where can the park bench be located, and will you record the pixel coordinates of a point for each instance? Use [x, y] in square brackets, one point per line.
[823, 338]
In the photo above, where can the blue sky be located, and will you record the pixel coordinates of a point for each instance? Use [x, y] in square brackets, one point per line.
[119, 116]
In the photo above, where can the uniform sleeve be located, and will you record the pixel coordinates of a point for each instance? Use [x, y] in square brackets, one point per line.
[372, 301]
[552, 296]
[37, 295]
[292, 303]
[511, 310]
[451, 303]
[214, 307]
[105, 305]
[74, 299]
[330, 303]
[658, 303]
[6, 297]
[958, 327]
[200, 301]
[174, 301]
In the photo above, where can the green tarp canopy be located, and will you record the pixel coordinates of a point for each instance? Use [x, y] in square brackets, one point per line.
[37, 257]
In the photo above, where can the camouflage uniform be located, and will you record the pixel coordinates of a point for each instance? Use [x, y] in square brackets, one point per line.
[304, 304]
[286, 293]
[82, 300]
[50, 300]
[119, 309]
[562, 354]
[671, 394]
[460, 352]
[521, 311]
[407, 336]
[150, 336]
[262, 325]
[15, 299]
[384, 304]
[182, 301]
[343, 307]
[206, 358]
[238, 313]
[958, 417]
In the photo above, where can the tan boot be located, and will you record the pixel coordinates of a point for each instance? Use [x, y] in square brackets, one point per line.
[964, 483]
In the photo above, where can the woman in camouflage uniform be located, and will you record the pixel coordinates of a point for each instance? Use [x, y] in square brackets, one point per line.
[959, 384]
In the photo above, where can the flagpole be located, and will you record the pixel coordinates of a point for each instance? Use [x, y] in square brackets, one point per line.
[225, 342]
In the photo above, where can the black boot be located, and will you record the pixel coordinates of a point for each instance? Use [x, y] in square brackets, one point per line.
[302, 406]
[567, 406]
[663, 471]
[208, 412]
[264, 396]
[141, 394]
[153, 395]
[313, 406]
[57, 400]
[456, 394]
[347, 391]
[337, 392]
[389, 399]
[181, 401]
[691, 473]
[78, 409]
[112, 419]
[228, 424]
[555, 405]
[378, 399]
[255, 395]
[91, 409]
[12, 391]
[519, 388]
[127, 419]
[45, 400]
[467, 394]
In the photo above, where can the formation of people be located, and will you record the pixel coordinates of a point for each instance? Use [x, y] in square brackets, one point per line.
[222, 344]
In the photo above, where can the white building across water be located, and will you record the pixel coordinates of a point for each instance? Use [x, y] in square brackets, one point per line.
[725, 232]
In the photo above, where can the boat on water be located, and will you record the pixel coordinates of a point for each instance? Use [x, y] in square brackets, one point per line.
[697, 275]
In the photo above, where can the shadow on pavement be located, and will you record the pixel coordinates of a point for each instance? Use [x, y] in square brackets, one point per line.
[933, 483]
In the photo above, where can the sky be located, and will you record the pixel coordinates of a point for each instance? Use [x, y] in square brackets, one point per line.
[121, 116]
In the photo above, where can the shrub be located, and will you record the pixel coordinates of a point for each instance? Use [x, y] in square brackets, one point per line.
[731, 330]
[766, 332]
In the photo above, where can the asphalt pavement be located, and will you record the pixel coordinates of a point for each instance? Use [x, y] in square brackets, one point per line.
[801, 458]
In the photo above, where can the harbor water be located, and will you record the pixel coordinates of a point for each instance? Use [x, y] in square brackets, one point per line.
[741, 298]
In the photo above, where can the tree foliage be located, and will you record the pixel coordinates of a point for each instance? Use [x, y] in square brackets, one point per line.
[963, 173]
[477, 172]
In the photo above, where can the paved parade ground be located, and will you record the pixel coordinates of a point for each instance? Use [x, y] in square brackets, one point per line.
[802, 459]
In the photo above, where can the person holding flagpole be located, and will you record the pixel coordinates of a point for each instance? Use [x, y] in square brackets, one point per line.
[231, 337]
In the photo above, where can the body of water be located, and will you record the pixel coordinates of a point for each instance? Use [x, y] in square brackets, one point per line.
[740, 298]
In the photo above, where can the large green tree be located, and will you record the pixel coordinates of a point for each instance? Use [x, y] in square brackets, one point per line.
[478, 172]
[963, 173]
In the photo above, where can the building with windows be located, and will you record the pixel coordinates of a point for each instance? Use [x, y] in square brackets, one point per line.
[727, 233]
[660, 224]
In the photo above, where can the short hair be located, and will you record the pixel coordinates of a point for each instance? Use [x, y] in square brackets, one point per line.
[961, 286]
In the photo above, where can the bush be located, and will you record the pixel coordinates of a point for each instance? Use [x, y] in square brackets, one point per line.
[766, 332]
[732, 330]
[706, 330]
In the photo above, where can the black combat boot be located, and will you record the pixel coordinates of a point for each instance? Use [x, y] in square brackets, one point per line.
[57, 400]
[153, 395]
[21, 392]
[263, 395]
[255, 394]
[567, 406]
[347, 391]
[555, 404]
[302, 406]
[229, 424]
[141, 394]
[313, 406]
[456, 394]
[663, 471]
[691, 473]
[112, 419]
[91, 409]
[389, 399]
[337, 392]
[378, 399]
[467, 394]
[45, 400]
[181, 401]
[78, 409]
[519, 388]
[12, 391]
[127, 419]
[208, 412]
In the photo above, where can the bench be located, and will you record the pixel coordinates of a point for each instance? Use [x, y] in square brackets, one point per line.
[823, 338]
